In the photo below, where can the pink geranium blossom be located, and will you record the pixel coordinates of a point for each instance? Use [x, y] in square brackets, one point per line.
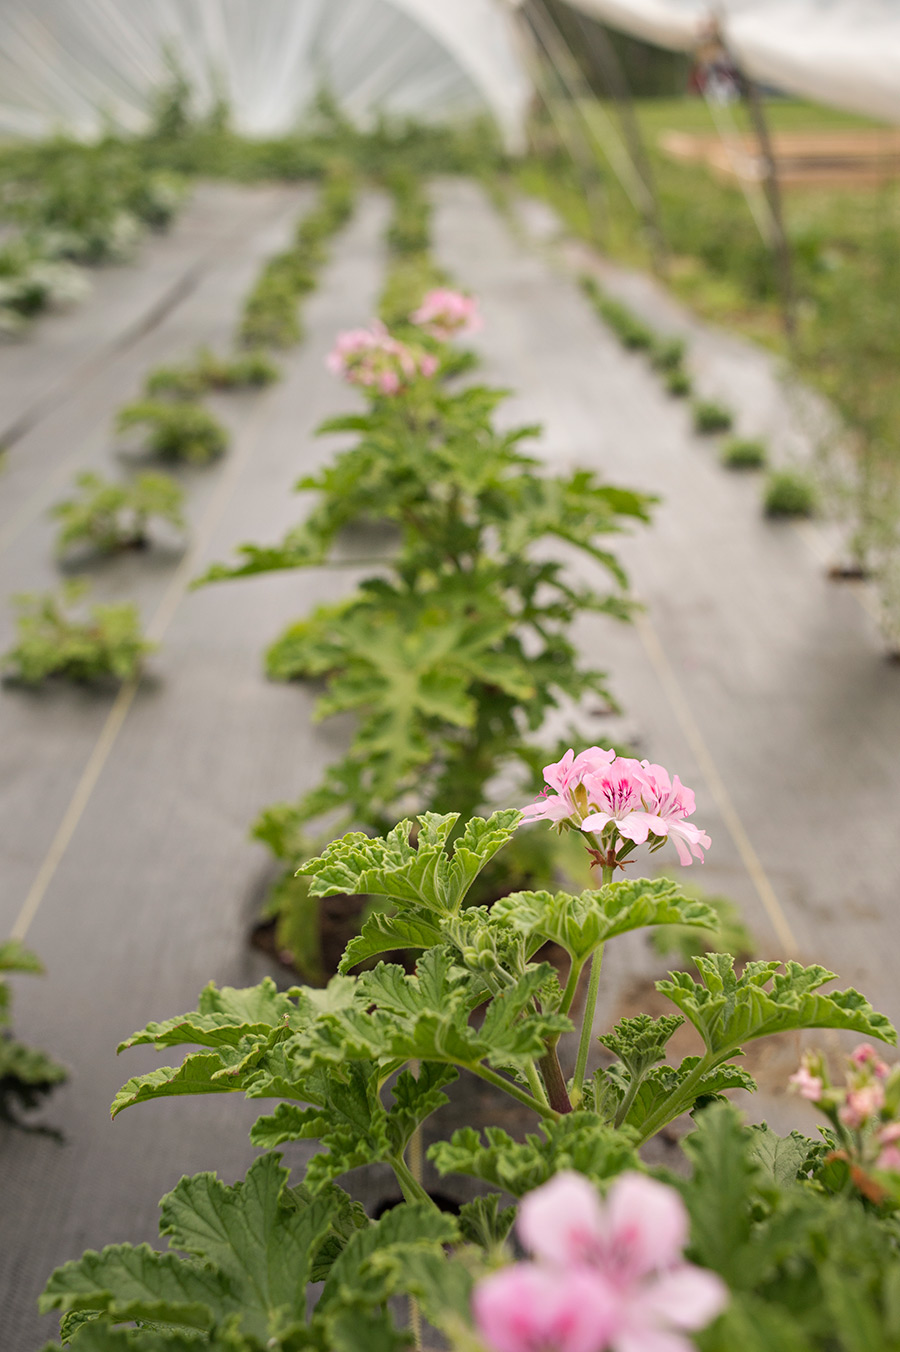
[373, 358]
[445, 313]
[808, 1085]
[626, 802]
[607, 1275]
[866, 1057]
[860, 1104]
[889, 1157]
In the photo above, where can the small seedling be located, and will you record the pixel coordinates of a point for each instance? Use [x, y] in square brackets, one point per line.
[711, 417]
[739, 453]
[111, 516]
[678, 383]
[179, 432]
[55, 640]
[789, 492]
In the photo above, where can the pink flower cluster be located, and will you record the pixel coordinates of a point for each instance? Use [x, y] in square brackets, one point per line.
[372, 357]
[446, 314]
[626, 802]
[866, 1105]
[605, 1274]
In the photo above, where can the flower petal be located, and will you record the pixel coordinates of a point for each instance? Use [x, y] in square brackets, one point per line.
[649, 1224]
[562, 1222]
[687, 1296]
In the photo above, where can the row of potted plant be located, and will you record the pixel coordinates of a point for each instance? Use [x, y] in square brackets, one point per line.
[56, 635]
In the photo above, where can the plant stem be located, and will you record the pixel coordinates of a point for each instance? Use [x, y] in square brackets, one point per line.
[555, 1080]
[630, 1095]
[587, 1023]
[575, 970]
[412, 1191]
[677, 1104]
[534, 1081]
[491, 1076]
[590, 1006]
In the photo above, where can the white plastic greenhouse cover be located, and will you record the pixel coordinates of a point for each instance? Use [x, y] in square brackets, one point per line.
[71, 64]
[840, 52]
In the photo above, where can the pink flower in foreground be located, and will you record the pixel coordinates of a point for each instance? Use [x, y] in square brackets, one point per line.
[627, 802]
[373, 358]
[608, 1274]
[445, 313]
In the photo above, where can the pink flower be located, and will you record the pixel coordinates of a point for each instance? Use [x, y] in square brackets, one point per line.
[374, 359]
[865, 1055]
[597, 790]
[616, 796]
[672, 802]
[887, 1138]
[619, 1260]
[445, 313]
[861, 1104]
[528, 1308]
[808, 1085]
[565, 777]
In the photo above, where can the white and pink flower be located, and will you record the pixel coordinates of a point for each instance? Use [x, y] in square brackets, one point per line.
[375, 359]
[624, 801]
[447, 314]
[605, 1275]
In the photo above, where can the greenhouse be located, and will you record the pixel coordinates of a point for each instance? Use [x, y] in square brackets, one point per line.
[450, 702]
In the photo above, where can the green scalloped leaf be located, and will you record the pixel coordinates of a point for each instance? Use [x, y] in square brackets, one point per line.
[422, 874]
[222, 1018]
[383, 933]
[577, 1141]
[127, 1282]
[195, 1075]
[728, 1010]
[580, 924]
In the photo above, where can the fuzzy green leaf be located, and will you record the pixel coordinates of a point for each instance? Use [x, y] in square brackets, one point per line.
[780, 1159]
[382, 933]
[222, 1018]
[128, 1282]
[580, 924]
[728, 1010]
[422, 874]
[576, 1142]
[262, 1247]
[195, 1075]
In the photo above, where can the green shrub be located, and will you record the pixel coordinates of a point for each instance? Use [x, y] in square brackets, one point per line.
[678, 383]
[252, 370]
[110, 516]
[711, 417]
[743, 453]
[54, 641]
[789, 492]
[179, 431]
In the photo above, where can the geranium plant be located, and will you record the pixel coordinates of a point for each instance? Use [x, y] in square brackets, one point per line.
[180, 431]
[361, 1065]
[106, 516]
[58, 637]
